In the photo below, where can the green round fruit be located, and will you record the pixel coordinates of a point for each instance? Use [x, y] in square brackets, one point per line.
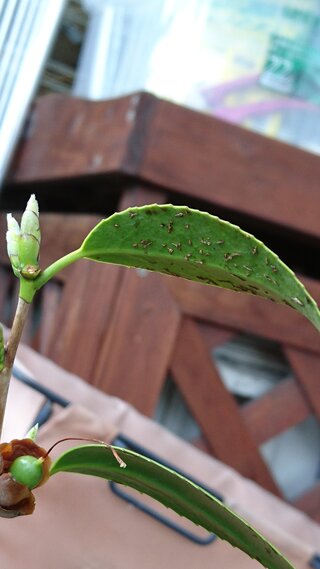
[27, 470]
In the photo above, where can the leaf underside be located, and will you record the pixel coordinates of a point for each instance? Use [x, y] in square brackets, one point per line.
[188, 243]
[175, 492]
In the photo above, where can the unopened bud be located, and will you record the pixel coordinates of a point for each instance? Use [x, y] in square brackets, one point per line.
[13, 240]
[23, 243]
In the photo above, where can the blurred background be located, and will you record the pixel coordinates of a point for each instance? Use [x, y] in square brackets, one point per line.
[255, 63]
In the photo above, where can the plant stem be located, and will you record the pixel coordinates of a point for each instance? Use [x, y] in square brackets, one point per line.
[57, 266]
[4, 386]
[16, 332]
[11, 350]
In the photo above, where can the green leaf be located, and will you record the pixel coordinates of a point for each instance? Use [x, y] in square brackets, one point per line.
[175, 492]
[197, 246]
[33, 432]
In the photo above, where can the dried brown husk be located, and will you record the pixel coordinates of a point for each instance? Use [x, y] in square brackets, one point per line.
[15, 498]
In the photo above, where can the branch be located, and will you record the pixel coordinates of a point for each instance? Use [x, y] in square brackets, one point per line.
[11, 350]
[16, 332]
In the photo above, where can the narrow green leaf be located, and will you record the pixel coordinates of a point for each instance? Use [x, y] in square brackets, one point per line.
[200, 247]
[175, 492]
[33, 432]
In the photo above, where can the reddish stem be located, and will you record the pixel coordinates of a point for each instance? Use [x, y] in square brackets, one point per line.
[106, 445]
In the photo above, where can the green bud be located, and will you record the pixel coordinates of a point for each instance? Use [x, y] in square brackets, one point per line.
[27, 470]
[23, 243]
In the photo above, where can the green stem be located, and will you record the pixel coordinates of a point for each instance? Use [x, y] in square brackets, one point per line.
[56, 267]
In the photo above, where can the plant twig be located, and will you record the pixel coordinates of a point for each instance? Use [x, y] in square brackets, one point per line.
[16, 332]
[57, 266]
[4, 386]
[11, 350]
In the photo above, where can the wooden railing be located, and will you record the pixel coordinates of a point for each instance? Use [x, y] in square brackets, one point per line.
[125, 332]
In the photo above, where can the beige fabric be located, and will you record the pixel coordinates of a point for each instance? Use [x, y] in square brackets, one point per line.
[80, 524]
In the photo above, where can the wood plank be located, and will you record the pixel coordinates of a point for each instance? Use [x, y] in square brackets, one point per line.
[83, 316]
[85, 311]
[134, 356]
[276, 411]
[10, 300]
[133, 196]
[49, 306]
[306, 368]
[172, 147]
[5, 281]
[241, 311]
[137, 195]
[310, 502]
[215, 336]
[214, 408]
[62, 233]
[231, 167]
[70, 137]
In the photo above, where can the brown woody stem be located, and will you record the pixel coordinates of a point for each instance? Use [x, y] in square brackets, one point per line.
[11, 350]
[4, 386]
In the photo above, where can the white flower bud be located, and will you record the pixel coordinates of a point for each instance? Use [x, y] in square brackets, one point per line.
[30, 218]
[13, 240]
[23, 243]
